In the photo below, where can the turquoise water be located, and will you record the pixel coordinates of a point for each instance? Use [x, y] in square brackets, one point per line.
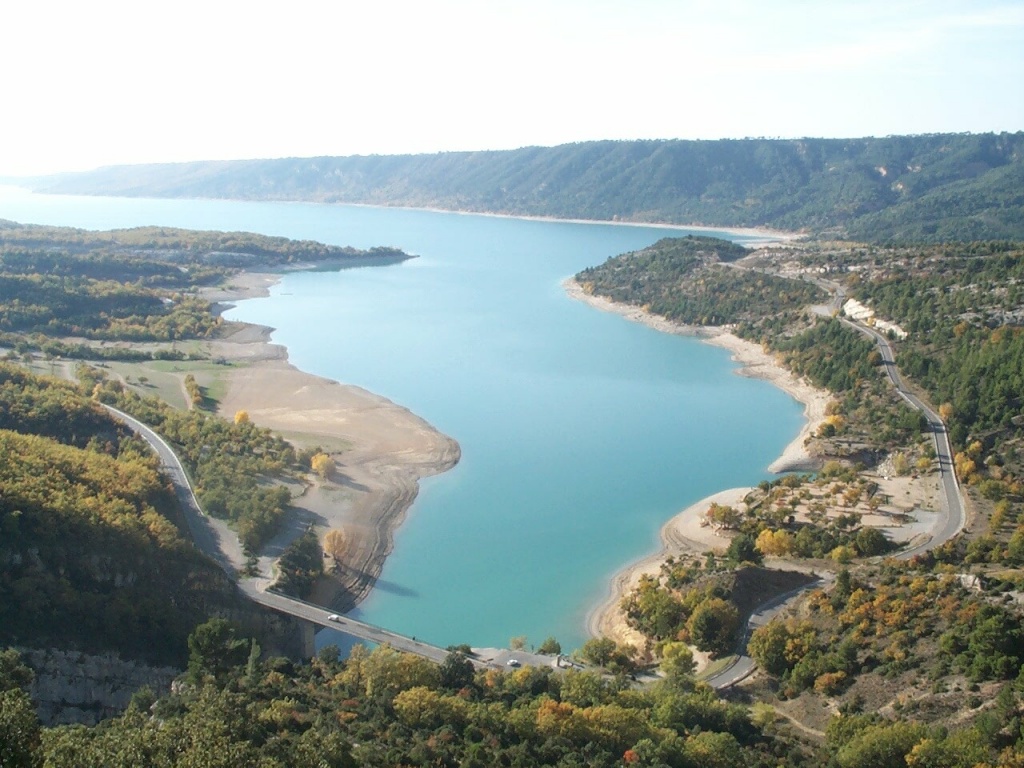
[581, 432]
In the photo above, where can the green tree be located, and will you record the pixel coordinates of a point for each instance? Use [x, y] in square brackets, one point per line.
[598, 651]
[677, 661]
[19, 731]
[214, 648]
[713, 626]
[456, 671]
[881, 746]
[550, 647]
[585, 688]
[871, 541]
[14, 674]
[715, 750]
[300, 565]
[743, 549]
[767, 646]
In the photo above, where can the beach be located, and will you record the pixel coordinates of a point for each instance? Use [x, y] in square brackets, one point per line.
[684, 533]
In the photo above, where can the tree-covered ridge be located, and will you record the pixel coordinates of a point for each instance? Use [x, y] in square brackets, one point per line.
[131, 285]
[908, 188]
[58, 306]
[964, 309]
[89, 559]
[384, 708]
[55, 409]
[683, 280]
[147, 251]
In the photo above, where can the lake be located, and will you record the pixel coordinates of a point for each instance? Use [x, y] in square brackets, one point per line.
[581, 432]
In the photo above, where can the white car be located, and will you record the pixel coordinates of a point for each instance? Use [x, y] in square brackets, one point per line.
[334, 617]
[512, 663]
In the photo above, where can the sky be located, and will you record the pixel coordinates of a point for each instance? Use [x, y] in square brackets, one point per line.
[104, 82]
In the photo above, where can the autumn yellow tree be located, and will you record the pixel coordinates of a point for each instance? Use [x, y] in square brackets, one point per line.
[779, 543]
[195, 392]
[241, 417]
[323, 465]
[335, 543]
[965, 466]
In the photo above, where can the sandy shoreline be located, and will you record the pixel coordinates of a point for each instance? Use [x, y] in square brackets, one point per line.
[381, 449]
[763, 235]
[683, 533]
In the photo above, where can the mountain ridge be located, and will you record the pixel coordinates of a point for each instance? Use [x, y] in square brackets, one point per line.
[925, 188]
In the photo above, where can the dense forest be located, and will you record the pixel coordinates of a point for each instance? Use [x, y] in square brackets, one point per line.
[384, 708]
[157, 254]
[927, 188]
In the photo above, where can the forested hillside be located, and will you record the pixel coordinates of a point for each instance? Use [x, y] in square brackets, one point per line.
[890, 648]
[63, 290]
[90, 558]
[903, 188]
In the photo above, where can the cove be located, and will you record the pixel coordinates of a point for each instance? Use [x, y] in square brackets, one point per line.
[581, 432]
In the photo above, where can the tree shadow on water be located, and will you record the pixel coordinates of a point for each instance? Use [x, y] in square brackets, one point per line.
[395, 589]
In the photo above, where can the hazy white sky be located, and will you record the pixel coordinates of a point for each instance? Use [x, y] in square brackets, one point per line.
[100, 82]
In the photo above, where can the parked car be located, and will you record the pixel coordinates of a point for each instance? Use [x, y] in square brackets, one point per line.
[334, 617]
[512, 662]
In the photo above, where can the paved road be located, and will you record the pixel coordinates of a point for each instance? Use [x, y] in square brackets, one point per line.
[206, 533]
[952, 511]
[213, 537]
[952, 507]
[742, 666]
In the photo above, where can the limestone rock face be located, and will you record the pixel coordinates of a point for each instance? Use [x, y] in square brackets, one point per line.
[72, 687]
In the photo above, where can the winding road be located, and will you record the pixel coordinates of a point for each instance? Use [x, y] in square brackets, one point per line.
[951, 511]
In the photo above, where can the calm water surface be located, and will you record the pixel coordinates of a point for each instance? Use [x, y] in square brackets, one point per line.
[581, 432]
